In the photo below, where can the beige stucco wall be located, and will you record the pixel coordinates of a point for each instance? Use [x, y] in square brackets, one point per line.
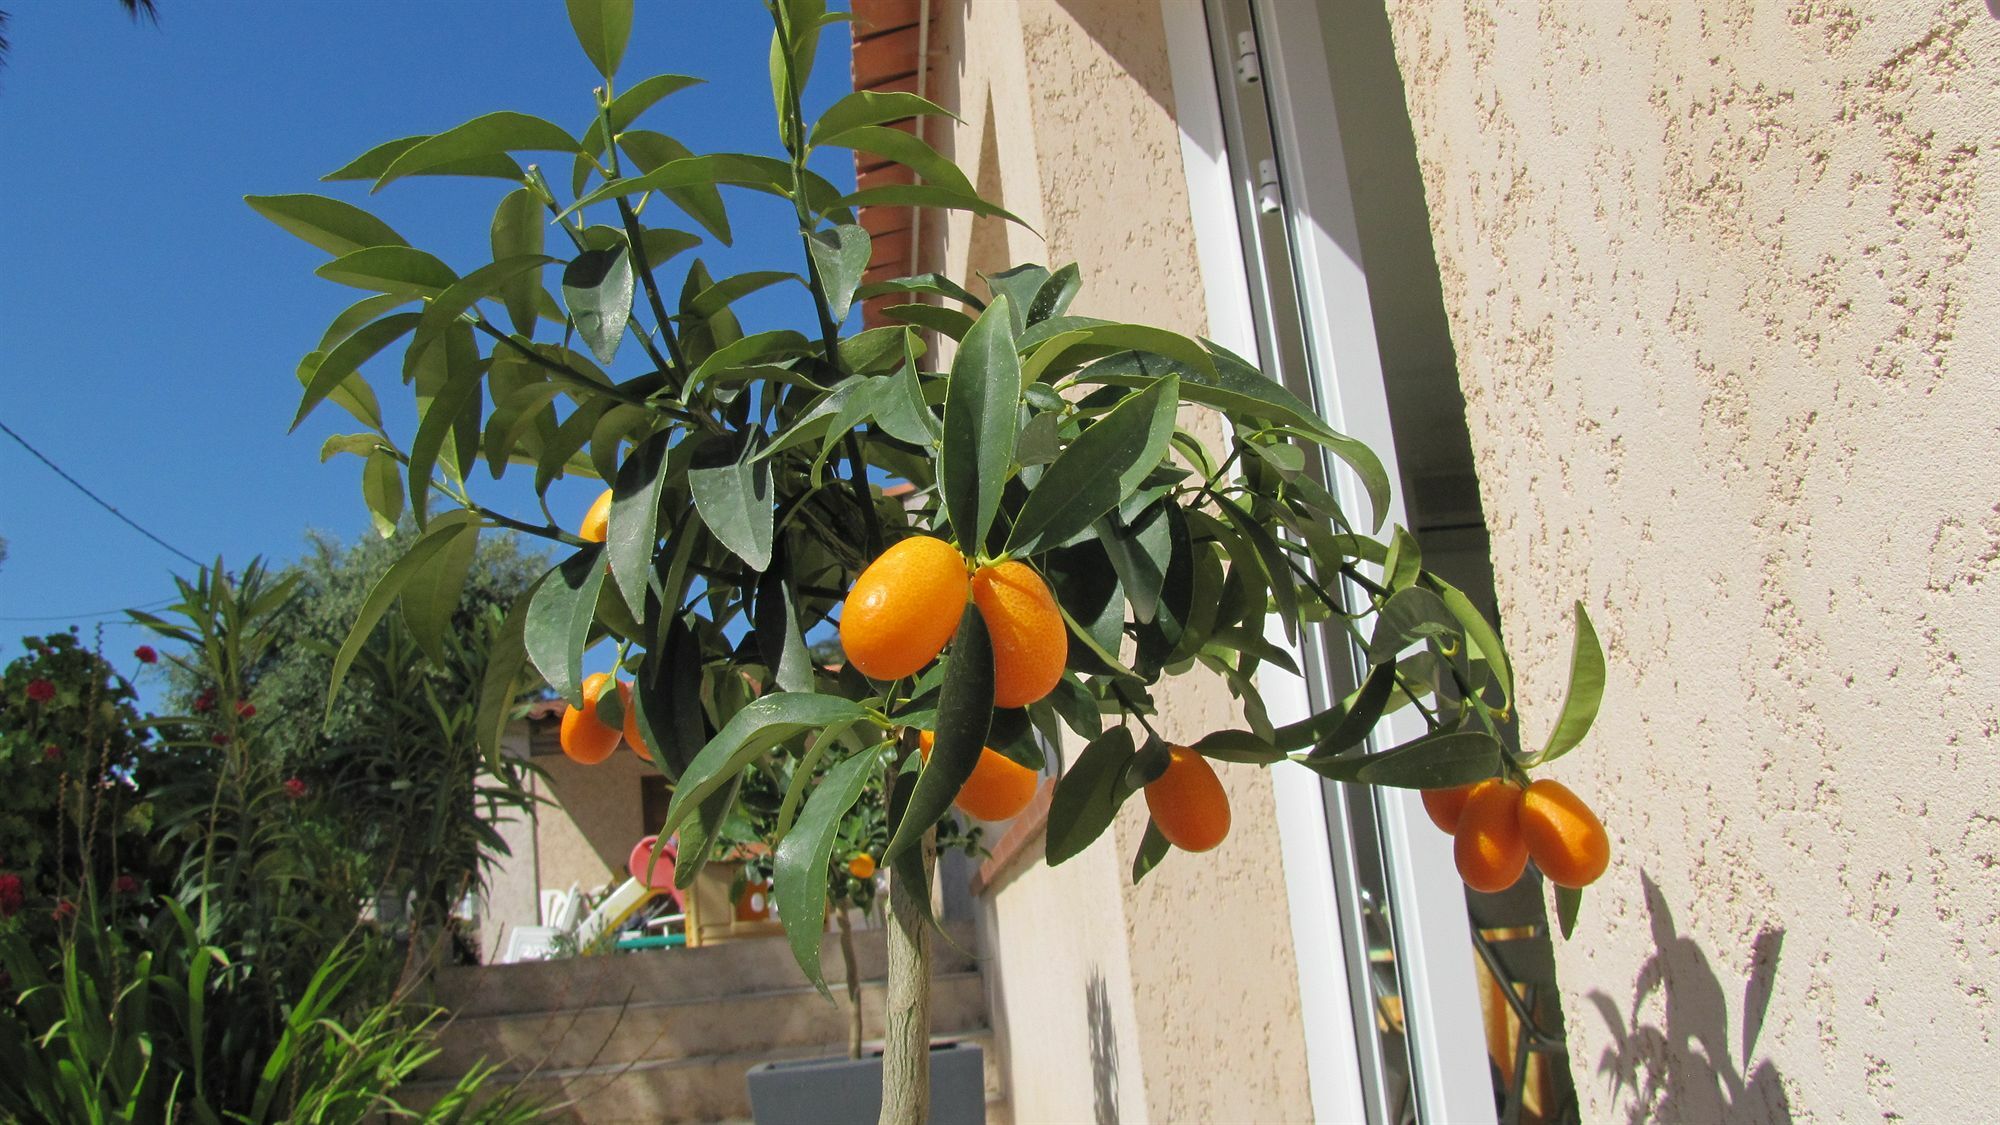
[584, 825]
[1722, 283]
[1187, 983]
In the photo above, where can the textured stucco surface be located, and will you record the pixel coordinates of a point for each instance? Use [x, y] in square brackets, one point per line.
[1721, 280]
[1069, 123]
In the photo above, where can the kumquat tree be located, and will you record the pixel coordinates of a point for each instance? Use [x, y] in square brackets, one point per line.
[1062, 545]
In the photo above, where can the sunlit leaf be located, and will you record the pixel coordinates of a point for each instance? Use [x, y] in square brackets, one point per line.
[803, 855]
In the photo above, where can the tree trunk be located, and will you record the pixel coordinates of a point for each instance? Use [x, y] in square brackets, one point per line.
[906, 1050]
[853, 980]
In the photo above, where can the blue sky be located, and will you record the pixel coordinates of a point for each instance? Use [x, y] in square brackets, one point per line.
[151, 323]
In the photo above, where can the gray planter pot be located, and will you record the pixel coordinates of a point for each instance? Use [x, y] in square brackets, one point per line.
[838, 1091]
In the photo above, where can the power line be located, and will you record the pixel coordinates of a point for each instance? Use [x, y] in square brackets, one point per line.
[94, 613]
[78, 485]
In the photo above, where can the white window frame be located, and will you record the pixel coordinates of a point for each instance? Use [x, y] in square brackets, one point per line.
[1447, 1039]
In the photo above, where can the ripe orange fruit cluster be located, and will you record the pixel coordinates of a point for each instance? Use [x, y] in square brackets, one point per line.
[906, 605]
[862, 866]
[586, 738]
[1187, 802]
[999, 787]
[1497, 827]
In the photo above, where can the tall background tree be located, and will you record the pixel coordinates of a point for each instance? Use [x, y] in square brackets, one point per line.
[410, 799]
[137, 9]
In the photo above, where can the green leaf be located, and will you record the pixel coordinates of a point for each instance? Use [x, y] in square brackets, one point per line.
[840, 254]
[371, 164]
[901, 412]
[732, 491]
[1435, 761]
[597, 288]
[1153, 848]
[1240, 389]
[1140, 338]
[869, 107]
[462, 372]
[1272, 560]
[1478, 631]
[602, 27]
[758, 727]
[1337, 728]
[1019, 285]
[667, 693]
[391, 269]
[433, 593]
[1408, 616]
[559, 621]
[761, 348]
[1088, 794]
[951, 322]
[518, 230]
[1079, 711]
[501, 682]
[1055, 294]
[494, 134]
[330, 224]
[761, 173]
[803, 855]
[912, 153]
[703, 203]
[982, 407]
[1404, 561]
[1105, 463]
[626, 107]
[776, 624]
[347, 357]
[385, 591]
[1237, 746]
[360, 445]
[1569, 900]
[634, 528]
[927, 195]
[965, 714]
[382, 488]
[934, 283]
[1586, 692]
[719, 296]
[906, 871]
[446, 309]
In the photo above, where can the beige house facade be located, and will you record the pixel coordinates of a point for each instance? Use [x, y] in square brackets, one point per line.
[1687, 312]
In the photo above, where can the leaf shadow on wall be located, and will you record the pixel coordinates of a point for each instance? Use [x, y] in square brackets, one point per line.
[1682, 1068]
[1103, 1051]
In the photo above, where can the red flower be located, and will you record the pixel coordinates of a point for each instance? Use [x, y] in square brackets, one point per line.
[126, 885]
[244, 709]
[10, 895]
[294, 788]
[146, 654]
[220, 740]
[64, 911]
[51, 751]
[205, 702]
[41, 691]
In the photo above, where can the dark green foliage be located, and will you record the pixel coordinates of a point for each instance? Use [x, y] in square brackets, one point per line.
[749, 469]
